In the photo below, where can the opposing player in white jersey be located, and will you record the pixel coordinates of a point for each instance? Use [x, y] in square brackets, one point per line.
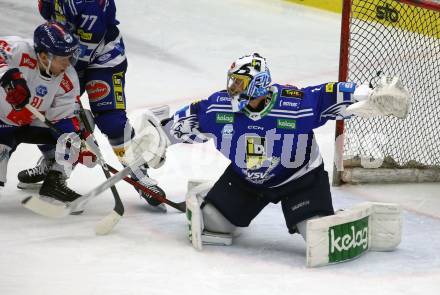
[40, 74]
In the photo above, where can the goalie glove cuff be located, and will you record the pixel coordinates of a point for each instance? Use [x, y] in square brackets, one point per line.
[362, 92]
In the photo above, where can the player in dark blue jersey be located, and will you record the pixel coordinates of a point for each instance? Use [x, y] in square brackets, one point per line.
[101, 67]
[266, 130]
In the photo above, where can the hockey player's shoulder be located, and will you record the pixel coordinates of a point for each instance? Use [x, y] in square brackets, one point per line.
[15, 45]
[19, 51]
[288, 97]
[220, 97]
[78, 6]
[288, 91]
[5, 49]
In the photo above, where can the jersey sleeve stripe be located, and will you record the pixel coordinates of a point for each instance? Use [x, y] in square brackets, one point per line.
[72, 8]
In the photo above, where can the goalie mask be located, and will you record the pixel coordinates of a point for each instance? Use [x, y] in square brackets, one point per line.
[248, 78]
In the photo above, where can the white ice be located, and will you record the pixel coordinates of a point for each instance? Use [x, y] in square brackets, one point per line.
[179, 51]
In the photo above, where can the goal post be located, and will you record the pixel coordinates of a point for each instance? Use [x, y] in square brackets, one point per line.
[396, 38]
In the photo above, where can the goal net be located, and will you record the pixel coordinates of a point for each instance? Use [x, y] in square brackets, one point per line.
[395, 38]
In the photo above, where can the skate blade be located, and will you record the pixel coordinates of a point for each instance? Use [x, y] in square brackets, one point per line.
[46, 207]
[76, 208]
[29, 186]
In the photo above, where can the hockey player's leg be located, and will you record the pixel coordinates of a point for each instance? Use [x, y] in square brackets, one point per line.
[105, 88]
[8, 144]
[339, 237]
[32, 178]
[5, 152]
[206, 225]
[306, 197]
[55, 184]
[352, 232]
[113, 124]
[230, 203]
[55, 175]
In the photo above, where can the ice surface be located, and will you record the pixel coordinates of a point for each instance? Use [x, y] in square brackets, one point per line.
[179, 51]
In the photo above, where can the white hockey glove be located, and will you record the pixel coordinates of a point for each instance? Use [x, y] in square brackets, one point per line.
[150, 142]
[389, 97]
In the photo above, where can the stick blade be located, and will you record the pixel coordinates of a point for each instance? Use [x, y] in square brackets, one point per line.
[106, 224]
[181, 206]
[45, 208]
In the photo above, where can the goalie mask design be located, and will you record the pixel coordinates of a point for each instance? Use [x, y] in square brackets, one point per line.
[248, 78]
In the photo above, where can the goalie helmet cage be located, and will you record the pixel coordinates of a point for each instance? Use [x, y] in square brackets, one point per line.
[395, 38]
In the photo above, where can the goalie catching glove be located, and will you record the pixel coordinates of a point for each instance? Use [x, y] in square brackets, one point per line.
[389, 97]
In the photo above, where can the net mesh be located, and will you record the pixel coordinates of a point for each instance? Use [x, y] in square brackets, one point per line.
[402, 40]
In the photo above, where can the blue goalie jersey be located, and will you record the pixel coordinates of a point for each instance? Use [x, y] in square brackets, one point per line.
[271, 147]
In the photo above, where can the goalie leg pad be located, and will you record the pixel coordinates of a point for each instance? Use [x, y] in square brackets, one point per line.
[350, 233]
[386, 226]
[206, 226]
[214, 221]
[195, 221]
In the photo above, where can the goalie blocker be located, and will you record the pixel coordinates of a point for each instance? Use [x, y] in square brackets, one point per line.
[330, 239]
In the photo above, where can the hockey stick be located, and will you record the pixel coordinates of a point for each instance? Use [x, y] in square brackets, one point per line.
[106, 224]
[92, 145]
[161, 198]
[59, 209]
[181, 206]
